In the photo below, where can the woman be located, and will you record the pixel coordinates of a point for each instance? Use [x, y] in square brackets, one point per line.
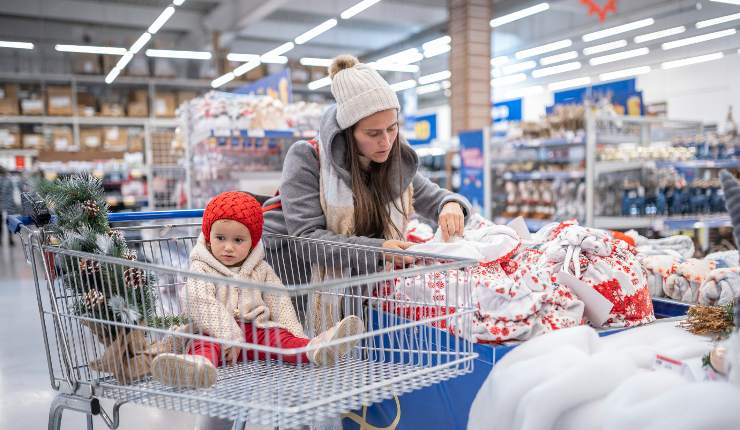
[359, 184]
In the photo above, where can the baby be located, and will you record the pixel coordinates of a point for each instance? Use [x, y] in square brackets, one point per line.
[230, 246]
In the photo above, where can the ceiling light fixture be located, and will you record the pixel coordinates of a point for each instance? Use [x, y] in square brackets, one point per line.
[698, 39]
[280, 50]
[436, 50]
[619, 56]
[406, 56]
[319, 83]
[543, 49]
[274, 60]
[618, 29]
[223, 79]
[609, 46]
[434, 43]
[508, 80]
[430, 88]
[104, 50]
[321, 28]
[391, 67]
[178, 2]
[316, 62]
[185, 55]
[570, 83]
[239, 58]
[112, 75]
[691, 60]
[244, 68]
[515, 16]
[359, 7]
[161, 19]
[642, 38]
[559, 58]
[625, 73]
[403, 85]
[15, 45]
[735, 2]
[435, 77]
[499, 61]
[519, 67]
[554, 70]
[140, 43]
[124, 60]
[718, 20]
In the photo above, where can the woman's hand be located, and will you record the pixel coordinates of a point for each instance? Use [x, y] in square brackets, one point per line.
[397, 245]
[451, 221]
[231, 355]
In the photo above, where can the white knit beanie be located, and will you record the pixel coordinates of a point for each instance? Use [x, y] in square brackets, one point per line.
[359, 90]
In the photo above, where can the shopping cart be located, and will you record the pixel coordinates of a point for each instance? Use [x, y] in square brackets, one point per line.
[407, 343]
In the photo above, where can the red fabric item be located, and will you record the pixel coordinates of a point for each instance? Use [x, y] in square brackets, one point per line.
[275, 337]
[621, 236]
[237, 206]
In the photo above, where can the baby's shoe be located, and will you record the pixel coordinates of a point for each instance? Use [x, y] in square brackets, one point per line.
[184, 371]
[326, 355]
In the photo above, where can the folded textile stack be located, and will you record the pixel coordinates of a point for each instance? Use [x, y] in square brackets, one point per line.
[684, 283]
[721, 287]
[679, 245]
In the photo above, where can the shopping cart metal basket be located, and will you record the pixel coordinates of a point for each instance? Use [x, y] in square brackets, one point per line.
[406, 343]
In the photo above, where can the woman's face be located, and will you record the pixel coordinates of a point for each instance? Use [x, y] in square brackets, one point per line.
[375, 135]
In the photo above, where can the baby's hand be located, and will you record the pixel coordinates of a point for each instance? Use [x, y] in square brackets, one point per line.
[231, 355]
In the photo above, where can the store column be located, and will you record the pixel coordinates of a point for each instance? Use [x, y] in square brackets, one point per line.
[470, 64]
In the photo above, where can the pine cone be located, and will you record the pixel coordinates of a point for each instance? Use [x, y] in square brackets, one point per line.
[88, 267]
[94, 299]
[133, 278]
[116, 235]
[91, 208]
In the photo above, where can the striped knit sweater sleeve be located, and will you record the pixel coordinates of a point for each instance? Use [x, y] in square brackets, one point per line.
[280, 305]
[731, 189]
[206, 312]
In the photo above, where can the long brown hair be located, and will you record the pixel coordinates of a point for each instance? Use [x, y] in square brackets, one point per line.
[373, 189]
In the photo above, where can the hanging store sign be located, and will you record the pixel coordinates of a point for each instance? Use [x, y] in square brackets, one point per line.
[278, 86]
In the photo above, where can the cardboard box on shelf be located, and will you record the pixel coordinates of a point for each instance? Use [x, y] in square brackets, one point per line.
[165, 104]
[111, 109]
[32, 106]
[87, 64]
[62, 140]
[135, 139]
[59, 100]
[86, 104]
[33, 141]
[115, 139]
[138, 96]
[91, 138]
[10, 137]
[9, 99]
[185, 96]
[138, 109]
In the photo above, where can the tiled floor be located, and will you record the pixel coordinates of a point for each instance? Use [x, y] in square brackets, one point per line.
[25, 393]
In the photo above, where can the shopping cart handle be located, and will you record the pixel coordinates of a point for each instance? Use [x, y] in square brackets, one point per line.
[148, 216]
[15, 222]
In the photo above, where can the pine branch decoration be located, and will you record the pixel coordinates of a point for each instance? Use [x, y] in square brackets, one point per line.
[717, 321]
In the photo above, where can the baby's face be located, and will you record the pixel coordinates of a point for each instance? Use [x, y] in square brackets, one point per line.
[230, 242]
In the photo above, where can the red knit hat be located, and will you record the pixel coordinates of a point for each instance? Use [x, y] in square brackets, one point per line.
[237, 206]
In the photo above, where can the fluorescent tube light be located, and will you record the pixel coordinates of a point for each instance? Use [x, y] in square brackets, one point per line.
[112, 75]
[403, 85]
[436, 50]
[391, 67]
[508, 80]
[124, 60]
[15, 45]
[543, 49]
[223, 79]
[735, 2]
[178, 2]
[618, 29]
[185, 55]
[244, 68]
[718, 20]
[609, 46]
[239, 58]
[642, 38]
[274, 60]
[698, 39]
[319, 83]
[434, 77]
[406, 56]
[105, 50]
[519, 67]
[515, 16]
[316, 62]
[499, 61]
[559, 58]
[691, 60]
[626, 73]
[280, 50]
[570, 83]
[436, 43]
[140, 42]
[357, 8]
[161, 19]
[430, 88]
[310, 34]
[619, 56]
[554, 70]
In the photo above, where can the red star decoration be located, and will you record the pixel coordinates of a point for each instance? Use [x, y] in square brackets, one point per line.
[601, 11]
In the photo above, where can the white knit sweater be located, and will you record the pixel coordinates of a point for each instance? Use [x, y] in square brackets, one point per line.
[215, 309]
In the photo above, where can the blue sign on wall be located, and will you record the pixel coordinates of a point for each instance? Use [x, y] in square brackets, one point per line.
[473, 169]
[510, 110]
[623, 95]
[423, 129]
[278, 86]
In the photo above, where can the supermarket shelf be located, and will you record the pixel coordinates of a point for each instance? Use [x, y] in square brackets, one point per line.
[545, 143]
[534, 176]
[93, 120]
[663, 223]
[604, 167]
[100, 79]
[19, 152]
[701, 164]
